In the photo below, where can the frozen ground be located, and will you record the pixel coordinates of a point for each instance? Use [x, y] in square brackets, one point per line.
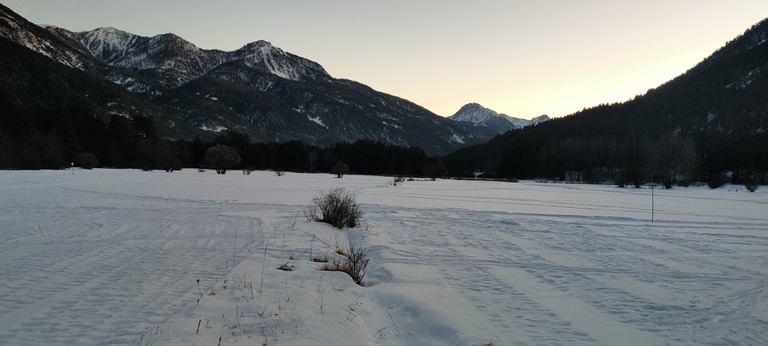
[131, 257]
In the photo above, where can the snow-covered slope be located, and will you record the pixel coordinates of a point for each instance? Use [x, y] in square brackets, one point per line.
[21, 31]
[285, 65]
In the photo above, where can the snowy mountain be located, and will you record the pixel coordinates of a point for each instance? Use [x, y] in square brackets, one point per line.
[259, 90]
[181, 61]
[486, 123]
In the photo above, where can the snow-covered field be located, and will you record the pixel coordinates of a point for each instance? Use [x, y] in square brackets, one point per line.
[131, 257]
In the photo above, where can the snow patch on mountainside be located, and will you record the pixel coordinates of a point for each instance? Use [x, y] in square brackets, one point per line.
[746, 80]
[317, 120]
[457, 139]
[217, 128]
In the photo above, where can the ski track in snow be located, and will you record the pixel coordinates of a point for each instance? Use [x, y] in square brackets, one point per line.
[546, 277]
[109, 257]
[76, 273]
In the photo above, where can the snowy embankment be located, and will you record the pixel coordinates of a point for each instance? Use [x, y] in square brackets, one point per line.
[130, 257]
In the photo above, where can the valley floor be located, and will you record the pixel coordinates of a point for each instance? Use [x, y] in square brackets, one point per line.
[155, 258]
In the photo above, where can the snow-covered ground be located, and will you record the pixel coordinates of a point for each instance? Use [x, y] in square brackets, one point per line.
[131, 257]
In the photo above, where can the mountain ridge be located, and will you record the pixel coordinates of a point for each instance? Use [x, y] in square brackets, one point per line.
[170, 52]
[259, 90]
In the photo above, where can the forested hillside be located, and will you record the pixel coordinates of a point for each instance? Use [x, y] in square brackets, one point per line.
[709, 121]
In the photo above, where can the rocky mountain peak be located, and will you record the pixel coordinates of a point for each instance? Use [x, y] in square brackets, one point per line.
[540, 119]
[107, 44]
[474, 113]
[273, 59]
[487, 123]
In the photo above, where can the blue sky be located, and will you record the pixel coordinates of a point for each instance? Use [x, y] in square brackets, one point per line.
[521, 58]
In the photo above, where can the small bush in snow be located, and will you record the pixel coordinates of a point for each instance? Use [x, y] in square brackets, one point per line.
[355, 263]
[86, 160]
[717, 180]
[336, 207]
[320, 259]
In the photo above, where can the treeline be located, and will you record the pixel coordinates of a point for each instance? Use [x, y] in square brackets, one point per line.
[57, 139]
[669, 159]
[362, 157]
[574, 149]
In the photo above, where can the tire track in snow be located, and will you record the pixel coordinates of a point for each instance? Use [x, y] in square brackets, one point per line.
[104, 274]
[467, 264]
[601, 278]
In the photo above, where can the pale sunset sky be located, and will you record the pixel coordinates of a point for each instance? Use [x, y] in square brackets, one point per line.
[521, 58]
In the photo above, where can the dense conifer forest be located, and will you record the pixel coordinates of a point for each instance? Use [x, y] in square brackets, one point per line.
[56, 139]
[708, 122]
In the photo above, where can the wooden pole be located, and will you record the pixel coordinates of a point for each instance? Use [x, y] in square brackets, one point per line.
[653, 185]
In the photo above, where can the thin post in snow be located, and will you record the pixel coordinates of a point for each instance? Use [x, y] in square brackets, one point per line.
[234, 248]
[263, 261]
[653, 202]
[311, 242]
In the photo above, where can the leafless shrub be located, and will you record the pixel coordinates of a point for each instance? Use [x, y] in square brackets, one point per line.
[320, 259]
[336, 207]
[355, 263]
